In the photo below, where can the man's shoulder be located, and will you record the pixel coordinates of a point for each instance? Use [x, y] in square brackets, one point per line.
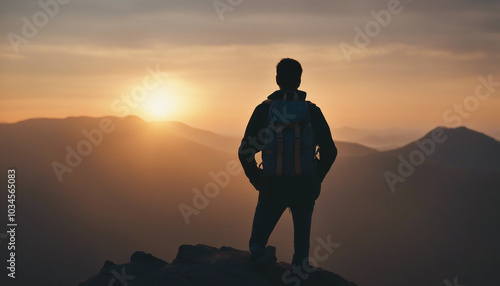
[266, 104]
[311, 104]
[261, 110]
[313, 108]
[269, 102]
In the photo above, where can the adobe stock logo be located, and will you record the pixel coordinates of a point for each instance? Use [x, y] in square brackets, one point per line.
[221, 7]
[74, 156]
[39, 19]
[120, 279]
[426, 147]
[94, 137]
[211, 190]
[372, 28]
[321, 252]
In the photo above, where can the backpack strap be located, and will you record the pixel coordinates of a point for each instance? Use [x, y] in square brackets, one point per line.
[279, 166]
[297, 148]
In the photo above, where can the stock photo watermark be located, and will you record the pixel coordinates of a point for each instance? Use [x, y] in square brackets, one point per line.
[221, 179]
[120, 278]
[265, 135]
[11, 223]
[460, 111]
[321, 252]
[93, 138]
[211, 190]
[223, 6]
[427, 146]
[31, 26]
[127, 102]
[373, 28]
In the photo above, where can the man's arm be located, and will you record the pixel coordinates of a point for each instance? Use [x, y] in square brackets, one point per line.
[327, 149]
[250, 145]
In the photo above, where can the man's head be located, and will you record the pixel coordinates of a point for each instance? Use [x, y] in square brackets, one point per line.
[288, 73]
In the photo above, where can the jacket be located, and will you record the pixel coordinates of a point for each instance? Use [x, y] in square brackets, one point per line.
[250, 144]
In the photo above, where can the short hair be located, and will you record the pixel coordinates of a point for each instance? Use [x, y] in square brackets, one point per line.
[288, 73]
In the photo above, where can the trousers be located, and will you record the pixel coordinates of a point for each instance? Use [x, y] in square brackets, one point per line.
[267, 214]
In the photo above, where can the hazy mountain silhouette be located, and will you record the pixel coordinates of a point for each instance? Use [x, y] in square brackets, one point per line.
[384, 139]
[210, 139]
[127, 189]
[205, 265]
[353, 149]
[438, 224]
[462, 148]
[441, 222]
[228, 144]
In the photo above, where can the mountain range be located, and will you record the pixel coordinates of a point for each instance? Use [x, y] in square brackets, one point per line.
[123, 190]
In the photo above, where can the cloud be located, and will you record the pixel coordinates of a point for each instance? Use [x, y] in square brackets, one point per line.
[91, 48]
[457, 26]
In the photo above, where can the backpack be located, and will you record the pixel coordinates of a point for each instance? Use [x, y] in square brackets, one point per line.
[289, 143]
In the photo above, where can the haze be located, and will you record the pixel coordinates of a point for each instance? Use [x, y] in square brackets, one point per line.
[216, 67]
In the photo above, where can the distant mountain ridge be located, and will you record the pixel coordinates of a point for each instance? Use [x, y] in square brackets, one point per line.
[461, 148]
[384, 139]
[211, 139]
[125, 195]
[230, 144]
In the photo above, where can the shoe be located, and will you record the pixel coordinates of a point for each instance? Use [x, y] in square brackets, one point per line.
[264, 258]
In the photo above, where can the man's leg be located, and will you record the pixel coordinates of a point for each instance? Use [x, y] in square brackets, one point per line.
[267, 214]
[302, 215]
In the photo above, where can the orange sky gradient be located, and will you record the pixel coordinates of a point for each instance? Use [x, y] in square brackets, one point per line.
[214, 72]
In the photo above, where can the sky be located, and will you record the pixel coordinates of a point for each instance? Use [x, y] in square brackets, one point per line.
[367, 64]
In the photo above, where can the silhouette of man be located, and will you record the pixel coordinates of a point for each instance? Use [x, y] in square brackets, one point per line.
[276, 193]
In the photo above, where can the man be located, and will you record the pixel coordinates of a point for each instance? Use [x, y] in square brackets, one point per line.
[277, 192]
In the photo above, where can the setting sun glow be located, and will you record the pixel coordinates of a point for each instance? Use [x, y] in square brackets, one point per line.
[159, 106]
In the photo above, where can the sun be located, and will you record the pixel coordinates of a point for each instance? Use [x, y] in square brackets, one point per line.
[159, 106]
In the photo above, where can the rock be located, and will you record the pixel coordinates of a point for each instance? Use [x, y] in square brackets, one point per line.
[202, 265]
